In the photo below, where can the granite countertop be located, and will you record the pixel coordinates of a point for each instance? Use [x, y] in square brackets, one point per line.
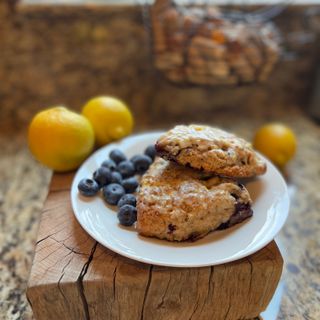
[25, 184]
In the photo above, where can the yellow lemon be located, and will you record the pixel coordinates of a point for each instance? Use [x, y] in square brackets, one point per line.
[277, 142]
[60, 139]
[111, 118]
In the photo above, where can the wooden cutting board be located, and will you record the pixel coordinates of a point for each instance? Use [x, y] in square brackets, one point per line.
[74, 277]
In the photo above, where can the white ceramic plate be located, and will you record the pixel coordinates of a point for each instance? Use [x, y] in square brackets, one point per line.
[270, 206]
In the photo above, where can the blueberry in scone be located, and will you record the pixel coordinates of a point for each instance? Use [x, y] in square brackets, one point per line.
[212, 150]
[178, 203]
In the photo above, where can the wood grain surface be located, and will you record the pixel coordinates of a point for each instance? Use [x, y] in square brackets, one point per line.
[74, 277]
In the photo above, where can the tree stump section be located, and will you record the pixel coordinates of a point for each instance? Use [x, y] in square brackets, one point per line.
[74, 277]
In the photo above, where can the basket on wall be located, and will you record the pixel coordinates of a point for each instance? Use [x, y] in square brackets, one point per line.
[200, 45]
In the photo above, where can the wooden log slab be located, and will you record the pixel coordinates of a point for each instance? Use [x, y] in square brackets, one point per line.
[74, 277]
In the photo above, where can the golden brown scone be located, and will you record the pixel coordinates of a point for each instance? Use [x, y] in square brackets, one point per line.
[178, 203]
[212, 150]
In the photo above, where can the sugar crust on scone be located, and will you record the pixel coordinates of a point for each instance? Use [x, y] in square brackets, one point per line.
[212, 150]
[178, 203]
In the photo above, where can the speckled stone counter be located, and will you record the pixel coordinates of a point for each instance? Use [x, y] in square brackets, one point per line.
[22, 191]
[24, 186]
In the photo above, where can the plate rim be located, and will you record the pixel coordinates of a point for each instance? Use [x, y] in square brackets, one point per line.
[104, 243]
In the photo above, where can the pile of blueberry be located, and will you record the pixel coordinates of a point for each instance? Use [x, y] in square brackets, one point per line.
[116, 177]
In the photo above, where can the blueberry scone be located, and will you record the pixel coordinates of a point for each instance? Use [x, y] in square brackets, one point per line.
[177, 203]
[211, 150]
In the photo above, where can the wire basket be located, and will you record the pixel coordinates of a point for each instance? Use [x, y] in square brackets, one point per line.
[202, 45]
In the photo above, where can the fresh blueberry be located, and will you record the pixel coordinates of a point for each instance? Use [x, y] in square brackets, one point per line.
[126, 168]
[127, 199]
[127, 215]
[116, 177]
[130, 184]
[141, 163]
[88, 187]
[102, 175]
[151, 151]
[110, 164]
[112, 193]
[117, 156]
